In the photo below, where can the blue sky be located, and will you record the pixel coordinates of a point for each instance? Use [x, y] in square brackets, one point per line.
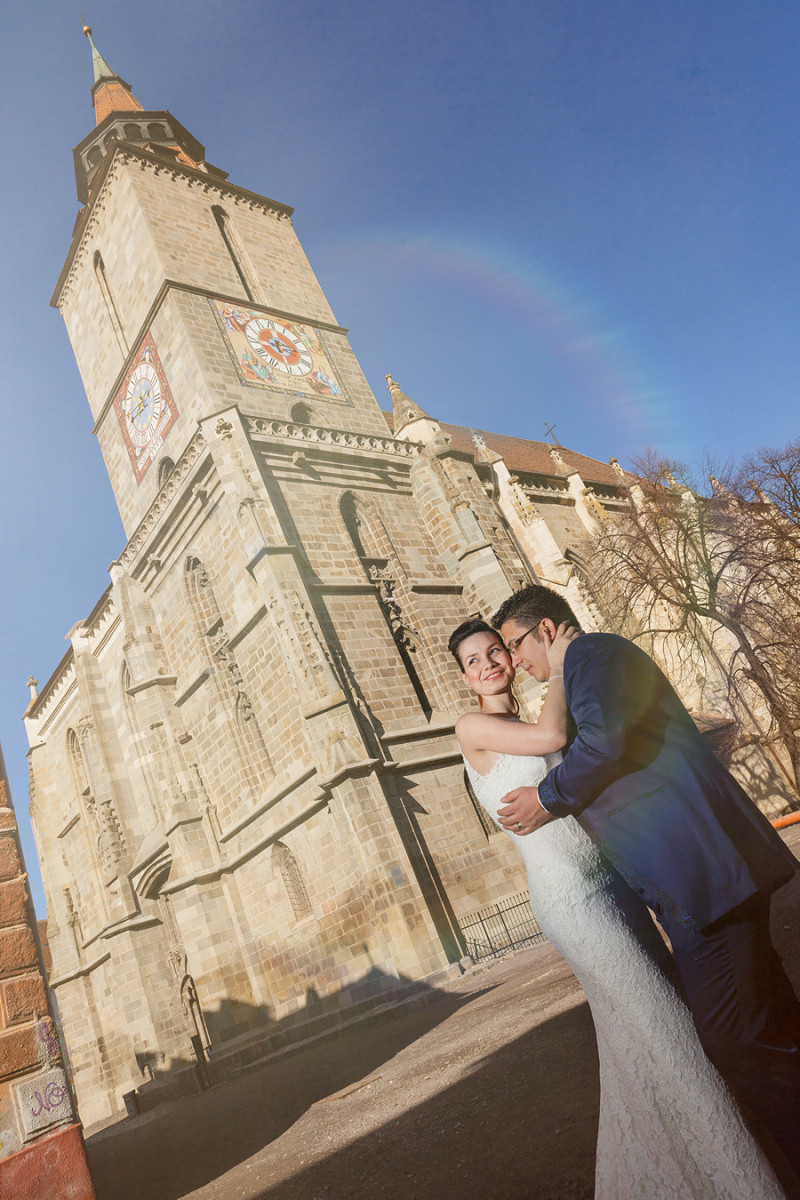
[548, 210]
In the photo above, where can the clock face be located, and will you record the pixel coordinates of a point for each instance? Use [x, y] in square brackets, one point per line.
[145, 407]
[143, 404]
[278, 346]
[278, 354]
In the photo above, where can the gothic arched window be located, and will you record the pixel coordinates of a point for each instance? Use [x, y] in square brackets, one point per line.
[78, 765]
[251, 740]
[247, 740]
[89, 850]
[292, 881]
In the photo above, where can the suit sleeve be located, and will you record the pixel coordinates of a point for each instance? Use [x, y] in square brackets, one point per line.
[613, 691]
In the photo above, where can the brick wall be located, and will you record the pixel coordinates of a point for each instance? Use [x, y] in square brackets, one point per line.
[41, 1150]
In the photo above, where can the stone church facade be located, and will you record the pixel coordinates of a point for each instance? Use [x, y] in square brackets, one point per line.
[245, 790]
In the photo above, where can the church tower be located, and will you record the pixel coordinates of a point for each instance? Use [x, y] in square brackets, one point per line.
[247, 798]
[184, 293]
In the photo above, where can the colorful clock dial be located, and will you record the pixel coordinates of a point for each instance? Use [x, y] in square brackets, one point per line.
[276, 354]
[278, 346]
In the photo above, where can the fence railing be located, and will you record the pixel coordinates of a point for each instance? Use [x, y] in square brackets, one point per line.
[500, 927]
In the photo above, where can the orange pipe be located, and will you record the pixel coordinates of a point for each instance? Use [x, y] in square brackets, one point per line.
[790, 819]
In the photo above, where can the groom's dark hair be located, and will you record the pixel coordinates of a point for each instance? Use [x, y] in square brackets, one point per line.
[532, 604]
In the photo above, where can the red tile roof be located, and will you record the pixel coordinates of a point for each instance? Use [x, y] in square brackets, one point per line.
[114, 97]
[529, 458]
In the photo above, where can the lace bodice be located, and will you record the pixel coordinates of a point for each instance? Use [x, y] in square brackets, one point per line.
[510, 771]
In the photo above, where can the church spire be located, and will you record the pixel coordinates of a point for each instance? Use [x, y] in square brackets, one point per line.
[110, 92]
[405, 411]
[101, 68]
[121, 119]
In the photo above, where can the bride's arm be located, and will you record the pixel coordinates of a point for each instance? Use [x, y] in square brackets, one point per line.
[481, 731]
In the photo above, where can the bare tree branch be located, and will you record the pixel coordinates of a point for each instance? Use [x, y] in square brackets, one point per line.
[713, 565]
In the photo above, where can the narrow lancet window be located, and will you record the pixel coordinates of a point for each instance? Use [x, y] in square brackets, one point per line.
[108, 300]
[293, 882]
[236, 250]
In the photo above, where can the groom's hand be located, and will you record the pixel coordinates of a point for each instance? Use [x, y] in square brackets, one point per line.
[522, 813]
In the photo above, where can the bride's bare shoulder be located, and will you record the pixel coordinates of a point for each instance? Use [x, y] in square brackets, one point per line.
[466, 721]
[468, 726]
[469, 718]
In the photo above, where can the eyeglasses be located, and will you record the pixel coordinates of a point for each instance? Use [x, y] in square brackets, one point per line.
[514, 645]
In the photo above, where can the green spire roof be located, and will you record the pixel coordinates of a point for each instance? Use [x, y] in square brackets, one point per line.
[101, 68]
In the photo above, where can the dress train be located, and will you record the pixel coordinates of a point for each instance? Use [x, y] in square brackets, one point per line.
[669, 1129]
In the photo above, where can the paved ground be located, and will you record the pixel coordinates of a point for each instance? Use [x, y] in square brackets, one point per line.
[490, 1090]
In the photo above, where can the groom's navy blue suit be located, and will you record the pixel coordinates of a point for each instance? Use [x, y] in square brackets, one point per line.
[642, 781]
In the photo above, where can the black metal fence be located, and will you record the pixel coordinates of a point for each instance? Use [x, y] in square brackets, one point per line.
[499, 927]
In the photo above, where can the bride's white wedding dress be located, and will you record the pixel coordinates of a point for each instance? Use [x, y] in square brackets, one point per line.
[669, 1129]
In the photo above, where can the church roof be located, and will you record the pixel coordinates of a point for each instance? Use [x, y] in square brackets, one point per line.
[528, 458]
[114, 96]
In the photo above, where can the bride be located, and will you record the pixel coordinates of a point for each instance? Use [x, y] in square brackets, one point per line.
[669, 1129]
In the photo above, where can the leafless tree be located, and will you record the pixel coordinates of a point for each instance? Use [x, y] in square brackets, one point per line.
[773, 477]
[711, 567]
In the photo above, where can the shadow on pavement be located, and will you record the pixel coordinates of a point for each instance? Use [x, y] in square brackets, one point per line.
[175, 1149]
[521, 1125]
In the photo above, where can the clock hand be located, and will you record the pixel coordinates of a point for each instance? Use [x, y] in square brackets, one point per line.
[142, 402]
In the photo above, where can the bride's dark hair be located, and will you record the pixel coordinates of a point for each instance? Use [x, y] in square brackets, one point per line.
[466, 630]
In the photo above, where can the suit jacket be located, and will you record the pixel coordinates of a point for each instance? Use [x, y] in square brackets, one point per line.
[642, 781]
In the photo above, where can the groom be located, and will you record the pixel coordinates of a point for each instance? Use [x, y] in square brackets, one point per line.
[641, 780]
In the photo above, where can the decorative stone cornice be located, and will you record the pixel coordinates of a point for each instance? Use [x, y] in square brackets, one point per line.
[63, 675]
[260, 426]
[98, 618]
[163, 500]
[124, 154]
[543, 486]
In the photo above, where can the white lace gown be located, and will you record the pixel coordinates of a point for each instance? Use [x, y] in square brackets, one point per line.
[669, 1129]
